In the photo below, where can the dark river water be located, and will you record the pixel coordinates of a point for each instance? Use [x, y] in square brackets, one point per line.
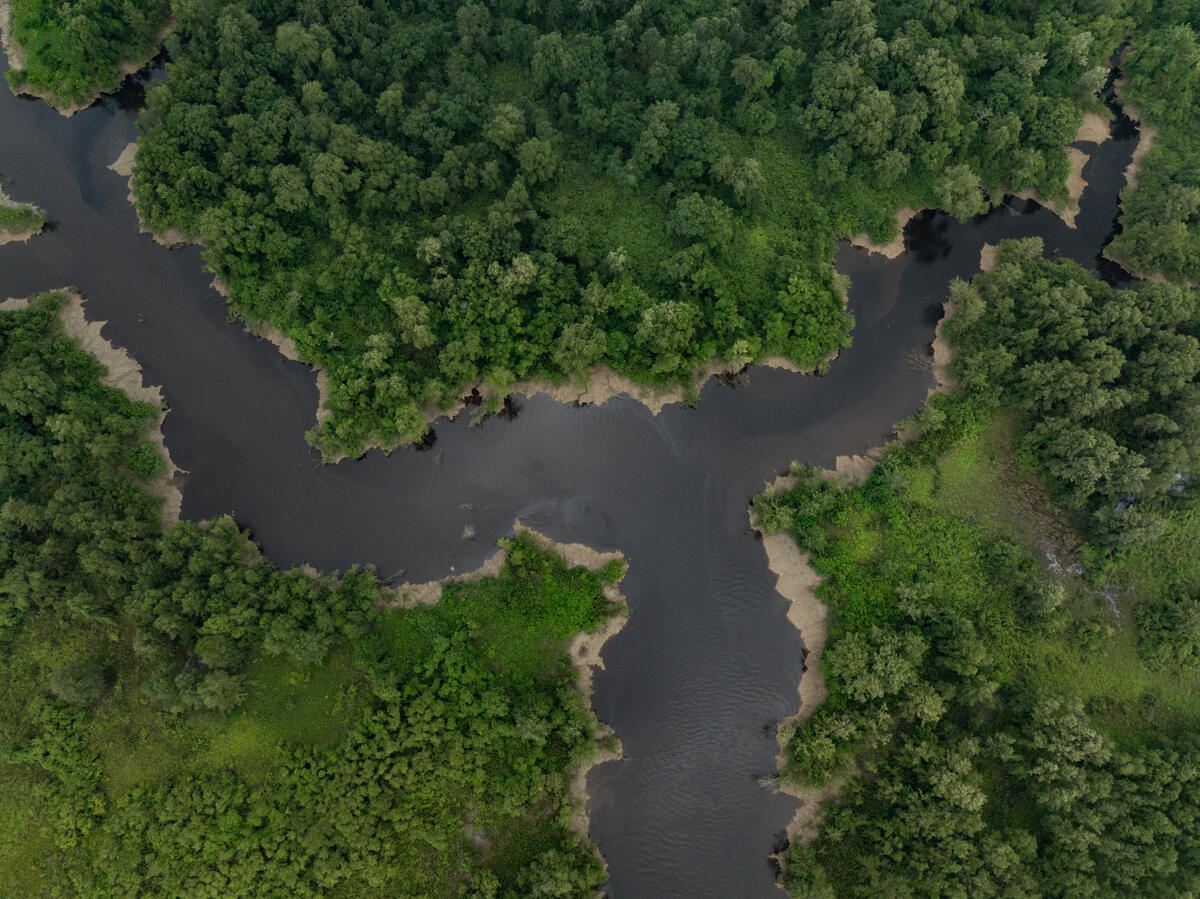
[708, 664]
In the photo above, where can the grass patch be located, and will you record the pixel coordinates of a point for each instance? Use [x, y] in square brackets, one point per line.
[23, 219]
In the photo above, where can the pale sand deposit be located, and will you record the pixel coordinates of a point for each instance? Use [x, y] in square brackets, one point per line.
[987, 257]
[893, 247]
[124, 166]
[1095, 129]
[14, 304]
[124, 373]
[797, 582]
[7, 236]
[17, 58]
[941, 351]
[1146, 136]
[584, 648]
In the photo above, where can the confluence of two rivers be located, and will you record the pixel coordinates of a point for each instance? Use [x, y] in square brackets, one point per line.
[697, 681]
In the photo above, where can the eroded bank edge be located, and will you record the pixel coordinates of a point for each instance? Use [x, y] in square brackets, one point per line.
[584, 648]
[124, 373]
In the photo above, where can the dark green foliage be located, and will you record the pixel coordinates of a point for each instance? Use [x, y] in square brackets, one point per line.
[1162, 214]
[115, 630]
[82, 683]
[428, 195]
[75, 48]
[1108, 380]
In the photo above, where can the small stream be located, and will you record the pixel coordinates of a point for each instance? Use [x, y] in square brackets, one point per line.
[708, 665]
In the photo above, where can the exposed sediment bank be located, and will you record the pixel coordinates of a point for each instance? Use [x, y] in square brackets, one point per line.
[584, 649]
[124, 165]
[797, 582]
[1094, 129]
[893, 247]
[125, 374]
[1146, 135]
[17, 59]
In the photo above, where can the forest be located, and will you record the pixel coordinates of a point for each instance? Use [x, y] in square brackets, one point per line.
[1012, 710]
[428, 196]
[71, 51]
[182, 718]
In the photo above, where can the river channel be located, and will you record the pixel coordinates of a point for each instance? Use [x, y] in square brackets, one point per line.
[708, 664]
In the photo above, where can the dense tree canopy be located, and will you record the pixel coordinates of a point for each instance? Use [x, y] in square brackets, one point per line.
[1002, 727]
[74, 48]
[1109, 380]
[1161, 221]
[428, 194]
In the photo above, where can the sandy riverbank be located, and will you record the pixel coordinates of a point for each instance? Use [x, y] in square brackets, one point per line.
[893, 247]
[797, 582]
[125, 374]
[124, 166]
[17, 59]
[7, 236]
[1093, 129]
[584, 649]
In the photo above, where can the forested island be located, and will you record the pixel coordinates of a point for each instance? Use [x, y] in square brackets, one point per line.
[435, 199]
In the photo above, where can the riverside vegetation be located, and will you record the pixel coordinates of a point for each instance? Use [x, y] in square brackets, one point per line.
[70, 52]
[999, 726]
[431, 195]
[180, 717]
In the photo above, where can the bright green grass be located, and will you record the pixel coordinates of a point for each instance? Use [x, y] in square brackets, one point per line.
[940, 533]
[288, 705]
[23, 219]
[1169, 565]
[26, 836]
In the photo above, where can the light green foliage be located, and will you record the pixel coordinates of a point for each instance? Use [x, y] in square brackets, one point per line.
[74, 48]
[424, 195]
[179, 717]
[21, 219]
[986, 746]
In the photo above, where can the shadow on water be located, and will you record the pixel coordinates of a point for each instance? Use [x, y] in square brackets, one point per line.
[708, 655]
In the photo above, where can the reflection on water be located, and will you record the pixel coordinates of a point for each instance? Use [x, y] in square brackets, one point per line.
[708, 664]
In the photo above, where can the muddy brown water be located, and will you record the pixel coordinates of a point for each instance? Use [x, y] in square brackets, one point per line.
[708, 665]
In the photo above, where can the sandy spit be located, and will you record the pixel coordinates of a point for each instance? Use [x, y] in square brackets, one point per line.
[16, 60]
[124, 166]
[584, 648]
[124, 373]
[941, 348]
[1094, 129]
[987, 257]
[893, 247]
[7, 236]
[1146, 135]
[797, 582]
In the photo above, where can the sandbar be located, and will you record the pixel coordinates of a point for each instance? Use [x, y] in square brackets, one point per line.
[893, 247]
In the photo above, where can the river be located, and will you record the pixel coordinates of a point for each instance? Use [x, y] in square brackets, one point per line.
[708, 665]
